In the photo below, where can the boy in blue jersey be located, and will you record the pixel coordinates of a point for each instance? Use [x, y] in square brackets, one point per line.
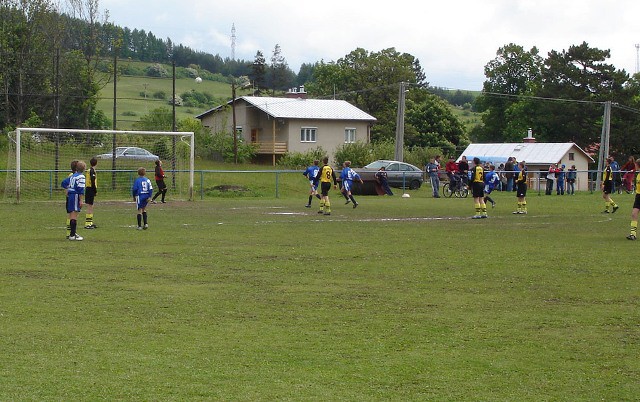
[74, 186]
[347, 176]
[311, 173]
[142, 191]
[65, 185]
[491, 181]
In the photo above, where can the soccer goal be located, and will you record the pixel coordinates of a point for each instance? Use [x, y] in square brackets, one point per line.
[39, 158]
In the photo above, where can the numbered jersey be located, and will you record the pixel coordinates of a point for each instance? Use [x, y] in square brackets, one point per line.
[327, 175]
[142, 187]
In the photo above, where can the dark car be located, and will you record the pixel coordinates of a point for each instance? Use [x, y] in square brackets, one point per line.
[130, 153]
[399, 174]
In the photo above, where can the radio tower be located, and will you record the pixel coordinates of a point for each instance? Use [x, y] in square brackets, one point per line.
[233, 41]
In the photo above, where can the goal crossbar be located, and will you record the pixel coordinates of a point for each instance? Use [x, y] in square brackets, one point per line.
[182, 134]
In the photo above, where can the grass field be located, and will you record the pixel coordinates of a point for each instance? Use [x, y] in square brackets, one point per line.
[262, 299]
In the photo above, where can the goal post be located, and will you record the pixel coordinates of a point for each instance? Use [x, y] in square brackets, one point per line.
[42, 157]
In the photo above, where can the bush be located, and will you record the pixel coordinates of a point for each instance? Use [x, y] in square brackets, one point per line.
[300, 160]
[156, 70]
[159, 95]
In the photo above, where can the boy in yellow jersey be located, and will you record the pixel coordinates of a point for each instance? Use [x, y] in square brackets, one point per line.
[326, 175]
[477, 189]
[607, 188]
[521, 189]
[636, 207]
[90, 193]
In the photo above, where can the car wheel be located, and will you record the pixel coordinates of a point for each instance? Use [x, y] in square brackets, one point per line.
[414, 185]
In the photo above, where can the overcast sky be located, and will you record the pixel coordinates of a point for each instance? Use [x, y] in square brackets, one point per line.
[453, 39]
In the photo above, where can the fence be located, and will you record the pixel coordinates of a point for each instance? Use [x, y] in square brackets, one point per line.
[116, 185]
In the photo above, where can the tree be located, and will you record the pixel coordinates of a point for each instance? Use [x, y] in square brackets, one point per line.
[258, 72]
[581, 75]
[281, 76]
[512, 73]
[430, 123]
[369, 81]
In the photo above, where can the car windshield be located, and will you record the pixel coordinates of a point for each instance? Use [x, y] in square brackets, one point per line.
[376, 165]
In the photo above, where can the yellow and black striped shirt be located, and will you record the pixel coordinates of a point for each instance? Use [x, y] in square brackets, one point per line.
[327, 174]
[477, 174]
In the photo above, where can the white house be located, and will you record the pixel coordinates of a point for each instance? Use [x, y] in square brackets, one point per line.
[537, 156]
[291, 124]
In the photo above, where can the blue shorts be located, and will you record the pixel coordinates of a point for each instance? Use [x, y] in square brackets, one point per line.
[142, 201]
[314, 185]
[73, 203]
[347, 185]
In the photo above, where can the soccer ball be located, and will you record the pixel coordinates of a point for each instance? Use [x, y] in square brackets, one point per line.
[198, 80]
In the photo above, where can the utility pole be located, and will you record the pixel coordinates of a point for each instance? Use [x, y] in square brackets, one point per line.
[604, 141]
[399, 152]
[637, 58]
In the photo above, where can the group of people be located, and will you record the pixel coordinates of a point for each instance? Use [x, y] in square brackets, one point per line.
[79, 189]
[558, 176]
[325, 176]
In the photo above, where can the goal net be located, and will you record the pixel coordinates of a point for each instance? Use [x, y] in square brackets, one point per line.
[39, 158]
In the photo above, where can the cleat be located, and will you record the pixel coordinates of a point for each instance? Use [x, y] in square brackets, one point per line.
[493, 205]
[320, 212]
[90, 227]
[515, 212]
[523, 212]
[476, 217]
[327, 213]
[348, 201]
[76, 238]
[483, 216]
[139, 228]
[606, 211]
[145, 227]
[631, 237]
[615, 209]
[308, 206]
[164, 202]
[153, 202]
[355, 204]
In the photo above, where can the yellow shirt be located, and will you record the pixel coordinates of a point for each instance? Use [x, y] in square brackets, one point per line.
[327, 174]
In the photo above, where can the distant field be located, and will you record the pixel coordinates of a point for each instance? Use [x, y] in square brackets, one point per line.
[263, 299]
[132, 105]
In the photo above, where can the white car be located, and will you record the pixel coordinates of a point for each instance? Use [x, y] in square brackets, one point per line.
[130, 153]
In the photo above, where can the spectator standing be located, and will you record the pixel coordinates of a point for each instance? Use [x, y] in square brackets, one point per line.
[560, 175]
[508, 173]
[463, 169]
[628, 171]
[452, 169]
[551, 177]
[433, 170]
[617, 179]
[572, 174]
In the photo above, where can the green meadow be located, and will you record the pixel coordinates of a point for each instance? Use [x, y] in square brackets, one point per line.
[259, 298]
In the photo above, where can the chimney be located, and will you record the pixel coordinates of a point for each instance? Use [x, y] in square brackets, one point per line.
[297, 93]
[529, 138]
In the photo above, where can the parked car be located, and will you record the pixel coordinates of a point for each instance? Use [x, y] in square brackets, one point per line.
[130, 153]
[399, 174]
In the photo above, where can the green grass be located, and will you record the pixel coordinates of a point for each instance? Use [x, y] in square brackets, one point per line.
[262, 299]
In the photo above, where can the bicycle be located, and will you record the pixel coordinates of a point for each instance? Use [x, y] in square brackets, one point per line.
[455, 187]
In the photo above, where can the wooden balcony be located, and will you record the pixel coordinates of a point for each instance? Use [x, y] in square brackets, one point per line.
[272, 148]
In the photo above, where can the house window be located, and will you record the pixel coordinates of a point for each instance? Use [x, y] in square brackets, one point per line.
[349, 135]
[308, 134]
[572, 156]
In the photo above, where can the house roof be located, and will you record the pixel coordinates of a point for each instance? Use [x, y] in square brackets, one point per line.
[532, 153]
[299, 108]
